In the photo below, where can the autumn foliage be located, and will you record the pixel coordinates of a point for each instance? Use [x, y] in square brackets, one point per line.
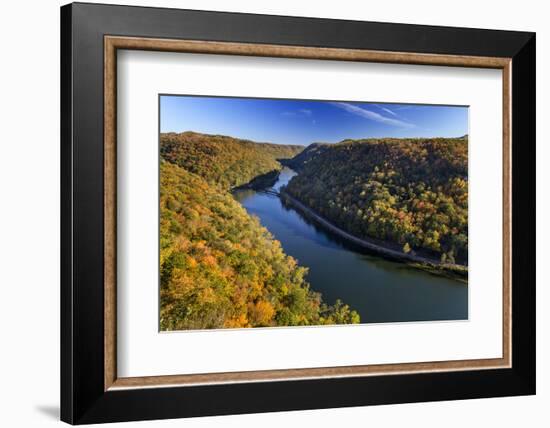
[219, 267]
[225, 161]
[412, 194]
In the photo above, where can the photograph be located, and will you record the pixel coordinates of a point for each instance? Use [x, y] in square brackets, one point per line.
[263, 211]
[294, 213]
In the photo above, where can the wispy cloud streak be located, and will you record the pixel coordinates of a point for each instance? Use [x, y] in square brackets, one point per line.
[387, 110]
[304, 112]
[371, 115]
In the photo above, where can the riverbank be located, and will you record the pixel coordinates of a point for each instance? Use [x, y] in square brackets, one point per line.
[430, 265]
[381, 289]
[261, 181]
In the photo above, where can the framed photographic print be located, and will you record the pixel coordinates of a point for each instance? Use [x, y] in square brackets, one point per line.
[264, 213]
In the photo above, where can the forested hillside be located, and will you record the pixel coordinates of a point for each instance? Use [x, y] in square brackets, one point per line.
[220, 268]
[225, 161]
[410, 193]
[307, 155]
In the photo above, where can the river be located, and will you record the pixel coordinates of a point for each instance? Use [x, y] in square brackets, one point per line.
[380, 290]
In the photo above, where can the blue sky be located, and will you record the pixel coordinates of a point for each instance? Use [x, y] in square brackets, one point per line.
[304, 122]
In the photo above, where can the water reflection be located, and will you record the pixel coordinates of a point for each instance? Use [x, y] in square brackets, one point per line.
[380, 290]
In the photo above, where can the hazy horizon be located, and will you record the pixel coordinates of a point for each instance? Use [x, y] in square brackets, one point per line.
[303, 122]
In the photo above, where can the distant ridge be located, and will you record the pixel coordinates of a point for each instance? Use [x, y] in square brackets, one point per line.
[225, 161]
[307, 155]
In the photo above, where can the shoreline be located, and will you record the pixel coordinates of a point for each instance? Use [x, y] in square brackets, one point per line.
[416, 261]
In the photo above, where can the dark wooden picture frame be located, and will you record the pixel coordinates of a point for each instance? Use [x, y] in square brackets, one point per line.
[90, 389]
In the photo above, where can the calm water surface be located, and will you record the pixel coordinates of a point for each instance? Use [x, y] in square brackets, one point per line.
[380, 290]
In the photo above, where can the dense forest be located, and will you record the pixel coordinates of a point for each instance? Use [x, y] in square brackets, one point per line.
[411, 194]
[219, 267]
[221, 160]
[300, 161]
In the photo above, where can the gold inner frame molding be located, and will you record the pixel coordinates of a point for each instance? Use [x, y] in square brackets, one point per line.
[113, 43]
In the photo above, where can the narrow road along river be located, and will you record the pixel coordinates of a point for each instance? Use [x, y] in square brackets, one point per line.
[380, 290]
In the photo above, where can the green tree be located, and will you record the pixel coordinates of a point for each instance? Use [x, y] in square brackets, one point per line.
[409, 193]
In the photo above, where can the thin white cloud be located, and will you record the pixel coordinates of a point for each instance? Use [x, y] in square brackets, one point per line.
[387, 110]
[298, 113]
[404, 107]
[371, 115]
